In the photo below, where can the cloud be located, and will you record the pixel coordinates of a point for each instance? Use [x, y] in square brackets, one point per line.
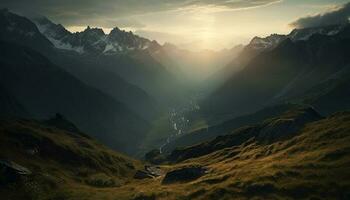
[339, 15]
[108, 12]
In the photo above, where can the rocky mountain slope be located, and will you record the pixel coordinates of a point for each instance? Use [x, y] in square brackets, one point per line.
[264, 44]
[92, 40]
[288, 70]
[89, 72]
[92, 53]
[44, 89]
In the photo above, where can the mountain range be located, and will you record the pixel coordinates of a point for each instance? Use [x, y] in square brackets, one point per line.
[289, 70]
[267, 120]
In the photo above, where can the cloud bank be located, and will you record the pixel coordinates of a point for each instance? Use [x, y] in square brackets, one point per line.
[340, 15]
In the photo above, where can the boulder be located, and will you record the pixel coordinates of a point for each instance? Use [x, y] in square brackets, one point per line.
[154, 170]
[140, 174]
[184, 174]
[11, 172]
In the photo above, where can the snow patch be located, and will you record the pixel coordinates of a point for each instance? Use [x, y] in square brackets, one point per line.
[66, 46]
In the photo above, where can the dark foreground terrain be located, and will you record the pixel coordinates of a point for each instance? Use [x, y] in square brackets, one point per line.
[297, 155]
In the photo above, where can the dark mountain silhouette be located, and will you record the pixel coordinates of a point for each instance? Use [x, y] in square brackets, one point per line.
[270, 131]
[287, 71]
[18, 29]
[260, 45]
[110, 83]
[45, 89]
[119, 53]
[92, 40]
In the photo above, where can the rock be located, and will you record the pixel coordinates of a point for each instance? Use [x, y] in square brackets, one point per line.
[142, 175]
[11, 172]
[185, 174]
[149, 172]
[154, 170]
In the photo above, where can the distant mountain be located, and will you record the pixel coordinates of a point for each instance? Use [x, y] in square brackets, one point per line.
[113, 76]
[119, 53]
[267, 43]
[45, 89]
[263, 44]
[306, 33]
[328, 96]
[92, 40]
[288, 70]
[199, 65]
[18, 29]
[272, 41]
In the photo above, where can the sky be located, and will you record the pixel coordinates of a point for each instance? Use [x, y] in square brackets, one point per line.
[190, 24]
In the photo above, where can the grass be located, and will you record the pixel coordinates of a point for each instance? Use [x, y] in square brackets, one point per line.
[158, 134]
[62, 159]
[314, 164]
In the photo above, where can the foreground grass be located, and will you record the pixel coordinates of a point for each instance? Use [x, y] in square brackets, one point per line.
[314, 164]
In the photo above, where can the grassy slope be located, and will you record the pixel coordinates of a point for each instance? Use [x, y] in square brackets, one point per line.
[64, 160]
[313, 164]
[211, 132]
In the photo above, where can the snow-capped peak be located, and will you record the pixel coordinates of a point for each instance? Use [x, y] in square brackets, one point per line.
[92, 40]
[272, 41]
[266, 43]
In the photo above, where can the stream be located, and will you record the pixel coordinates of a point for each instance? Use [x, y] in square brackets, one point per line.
[178, 121]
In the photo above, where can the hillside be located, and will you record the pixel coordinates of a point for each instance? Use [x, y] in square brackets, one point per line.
[273, 161]
[126, 57]
[174, 100]
[44, 89]
[50, 161]
[22, 31]
[298, 155]
[289, 70]
[212, 132]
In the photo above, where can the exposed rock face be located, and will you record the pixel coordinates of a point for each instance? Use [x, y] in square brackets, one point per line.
[185, 174]
[11, 171]
[92, 40]
[148, 172]
[140, 174]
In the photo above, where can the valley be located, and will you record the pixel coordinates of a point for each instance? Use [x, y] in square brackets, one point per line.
[96, 114]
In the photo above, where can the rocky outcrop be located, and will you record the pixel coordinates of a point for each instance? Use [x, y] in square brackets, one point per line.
[148, 172]
[11, 172]
[184, 174]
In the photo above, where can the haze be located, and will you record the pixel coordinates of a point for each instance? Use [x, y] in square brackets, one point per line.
[195, 25]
